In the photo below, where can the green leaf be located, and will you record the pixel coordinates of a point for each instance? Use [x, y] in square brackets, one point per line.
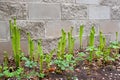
[99, 53]
[91, 48]
[109, 58]
[118, 55]
[41, 75]
[1, 74]
[24, 58]
[82, 54]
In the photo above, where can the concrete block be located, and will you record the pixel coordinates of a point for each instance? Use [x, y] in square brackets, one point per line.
[12, 9]
[59, 1]
[49, 44]
[113, 36]
[36, 29]
[109, 27]
[53, 28]
[20, 0]
[107, 36]
[109, 2]
[84, 43]
[44, 11]
[30, 0]
[87, 26]
[7, 46]
[8, 0]
[115, 12]
[4, 31]
[74, 11]
[115, 8]
[88, 1]
[99, 12]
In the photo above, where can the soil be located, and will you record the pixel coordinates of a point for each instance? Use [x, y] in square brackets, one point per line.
[84, 70]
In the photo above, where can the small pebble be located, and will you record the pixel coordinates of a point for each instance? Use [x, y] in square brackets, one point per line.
[76, 79]
[105, 74]
[61, 78]
[114, 67]
[118, 69]
[77, 70]
[103, 78]
[92, 79]
[103, 69]
[85, 68]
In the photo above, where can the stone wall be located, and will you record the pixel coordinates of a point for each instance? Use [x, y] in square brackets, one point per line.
[45, 18]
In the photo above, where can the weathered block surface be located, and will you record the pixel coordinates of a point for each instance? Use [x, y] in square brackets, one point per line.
[36, 28]
[30, 0]
[84, 43]
[109, 27]
[11, 9]
[115, 8]
[59, 1]
[74, 11]
[7, 0]
[7, 46]
[53, 28]
[88, 1]
[113, 36]
[99, 12]
[87, 26]
[107, 36]
[115, 12]
[109, 2]
[4, 31]
[48, 1]
[49, 44]
[20, 0]
[44, 11]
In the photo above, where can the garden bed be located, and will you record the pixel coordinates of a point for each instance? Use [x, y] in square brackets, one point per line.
[84, 70]
[101, 62]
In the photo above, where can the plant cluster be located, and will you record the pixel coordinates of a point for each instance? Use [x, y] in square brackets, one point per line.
[9, 72]
[40, 63]
[15, 37]
[67, 63]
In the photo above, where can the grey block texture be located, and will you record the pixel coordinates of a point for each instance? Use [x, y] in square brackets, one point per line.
[35, 28]
[13, 9]
[74, 11]
[44, 11]
[4, 31]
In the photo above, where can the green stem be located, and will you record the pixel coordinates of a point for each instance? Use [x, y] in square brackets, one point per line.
[81, 35]
[15, 37]
[71, 42]
[116, 36]
[30, 46]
